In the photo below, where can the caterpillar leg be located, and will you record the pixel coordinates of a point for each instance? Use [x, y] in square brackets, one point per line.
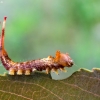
[11, 71]
[47, 70]
[19, 72]
[27, 72]
[62, 69]
[56, 71]
[33, 69]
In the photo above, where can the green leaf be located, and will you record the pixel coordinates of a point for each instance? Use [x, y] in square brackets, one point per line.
[82, 85]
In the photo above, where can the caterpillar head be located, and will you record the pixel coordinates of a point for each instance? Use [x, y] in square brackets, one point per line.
[63, 59]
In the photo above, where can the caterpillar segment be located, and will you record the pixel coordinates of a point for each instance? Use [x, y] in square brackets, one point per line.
[59, 62]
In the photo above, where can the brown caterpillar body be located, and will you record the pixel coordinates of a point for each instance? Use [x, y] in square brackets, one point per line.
[50, 63]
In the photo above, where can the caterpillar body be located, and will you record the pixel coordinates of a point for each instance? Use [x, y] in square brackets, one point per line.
[50, 63]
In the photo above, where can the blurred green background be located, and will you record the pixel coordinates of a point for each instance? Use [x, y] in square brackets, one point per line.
[37, 28]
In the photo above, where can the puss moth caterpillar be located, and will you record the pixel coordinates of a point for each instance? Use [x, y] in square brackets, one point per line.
[50, 63]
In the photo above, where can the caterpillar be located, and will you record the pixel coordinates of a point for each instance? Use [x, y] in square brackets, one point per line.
[48, 64]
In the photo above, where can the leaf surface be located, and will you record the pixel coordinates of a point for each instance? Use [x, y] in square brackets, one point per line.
[82, 85]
